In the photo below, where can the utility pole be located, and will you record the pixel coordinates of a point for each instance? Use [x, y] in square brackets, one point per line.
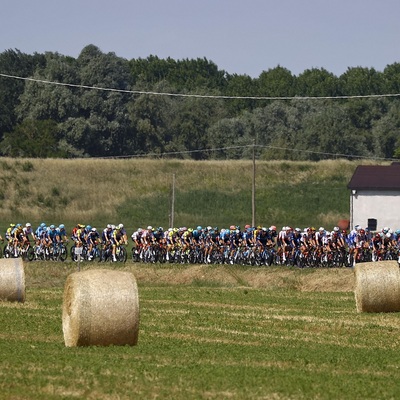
[253, 192]
[171, 216]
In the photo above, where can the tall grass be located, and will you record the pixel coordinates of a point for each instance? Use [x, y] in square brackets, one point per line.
[138, 192]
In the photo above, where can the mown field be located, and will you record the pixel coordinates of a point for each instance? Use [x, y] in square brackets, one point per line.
[138, 192]
[207, 332]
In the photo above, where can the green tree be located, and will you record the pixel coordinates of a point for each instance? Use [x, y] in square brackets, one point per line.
[385, 132]
[391, 78]
[15, 63]
[276, 82]
[317, 83]
[36, 139]
[240, 86]
[105, 112]
[361, 81]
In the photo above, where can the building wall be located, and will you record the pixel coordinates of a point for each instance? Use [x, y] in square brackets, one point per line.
[384, 206]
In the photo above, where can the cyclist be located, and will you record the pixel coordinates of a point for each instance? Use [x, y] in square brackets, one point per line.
[27, 229]
[272, 236]
[116, 240]
[77, 234]
[53, 236]
[159, 236]
[123, 233]
[18, 237]
[92, 238]
[262, 239]
[136, 236]
[62, 233]
[9, 233]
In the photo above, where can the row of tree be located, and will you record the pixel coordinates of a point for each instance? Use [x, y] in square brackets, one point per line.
[38, 119]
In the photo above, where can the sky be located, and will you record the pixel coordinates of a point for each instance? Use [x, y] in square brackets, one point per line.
[239, 36]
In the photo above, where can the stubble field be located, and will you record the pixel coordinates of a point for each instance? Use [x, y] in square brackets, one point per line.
[206, 332]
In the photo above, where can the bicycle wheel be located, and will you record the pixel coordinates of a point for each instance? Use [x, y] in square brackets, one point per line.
[122, 254]
[63, 254]
[30, 254]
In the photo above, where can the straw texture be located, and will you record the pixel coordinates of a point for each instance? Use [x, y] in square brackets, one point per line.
[12, 280]
[100, 308]
[377, 286]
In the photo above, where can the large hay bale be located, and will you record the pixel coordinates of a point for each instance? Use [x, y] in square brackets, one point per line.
[12, 279]
[377, 286]
[100, 308]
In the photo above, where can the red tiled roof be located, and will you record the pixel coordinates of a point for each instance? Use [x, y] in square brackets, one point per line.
[376, 177]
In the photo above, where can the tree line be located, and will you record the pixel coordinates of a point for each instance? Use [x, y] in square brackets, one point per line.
[46, 120]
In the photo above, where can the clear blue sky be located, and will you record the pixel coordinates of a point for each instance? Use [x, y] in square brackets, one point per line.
[240, 36]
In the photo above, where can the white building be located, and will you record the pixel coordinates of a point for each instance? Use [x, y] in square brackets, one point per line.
[375, 197]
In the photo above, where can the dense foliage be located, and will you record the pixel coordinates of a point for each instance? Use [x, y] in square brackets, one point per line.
[39, 119]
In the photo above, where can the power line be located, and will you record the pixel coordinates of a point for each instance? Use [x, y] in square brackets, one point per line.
[251, 146]
[150, 93]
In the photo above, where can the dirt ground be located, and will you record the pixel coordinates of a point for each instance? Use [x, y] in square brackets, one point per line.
[319, 279]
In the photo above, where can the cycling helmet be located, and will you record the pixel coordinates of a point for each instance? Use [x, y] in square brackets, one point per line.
[232, 227]
[18, 225]
[61, 226]
[362, 231]
[121, 226]
[247, 226]
[216, 228]
[312, 229]
[273, 228]
[88, 227]
[388, 235]
[160, 229]
[28, 225]
[397, 232]
[94, 229]
[140, 230]
[298, 230]
[12, 225]
[336, 229]
[209, 228]
[321, 229]
[199, 228]
[149, 228]
[190, 230]
[109, 226]
[42, 225]
[52, 227]
[264, 229]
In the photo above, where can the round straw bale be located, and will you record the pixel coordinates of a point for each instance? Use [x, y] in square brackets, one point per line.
[12, 279]
[377, 286]
[100, 308]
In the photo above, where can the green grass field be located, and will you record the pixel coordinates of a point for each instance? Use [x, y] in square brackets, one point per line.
[207, 332]
[138, 192]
